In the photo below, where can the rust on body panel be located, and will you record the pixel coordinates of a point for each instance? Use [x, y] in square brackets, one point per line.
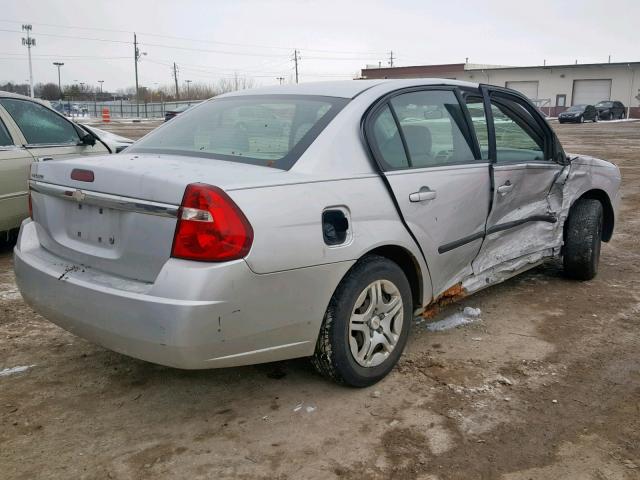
[449, 296]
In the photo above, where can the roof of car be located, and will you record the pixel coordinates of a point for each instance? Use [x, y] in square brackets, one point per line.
[4, 94]
[345, 88]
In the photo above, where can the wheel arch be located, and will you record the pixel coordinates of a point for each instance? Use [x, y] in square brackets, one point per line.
[608, 220]
[409, 265]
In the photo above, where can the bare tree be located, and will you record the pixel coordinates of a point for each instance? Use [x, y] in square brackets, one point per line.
[47, 91]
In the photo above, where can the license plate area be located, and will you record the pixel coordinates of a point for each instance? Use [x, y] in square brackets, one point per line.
[94, 225]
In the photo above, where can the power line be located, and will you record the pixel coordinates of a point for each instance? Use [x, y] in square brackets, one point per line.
[191, 39]
[20, 56]
[74, 37]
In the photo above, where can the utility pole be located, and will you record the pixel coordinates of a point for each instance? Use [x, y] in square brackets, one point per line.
[29, 42]
[391, 59]
[59, 64]
[136, 57]
[188, 94]
[175, 77]
[296, 57]
[280, 79]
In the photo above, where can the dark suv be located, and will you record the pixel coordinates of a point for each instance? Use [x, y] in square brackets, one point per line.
[610, 110]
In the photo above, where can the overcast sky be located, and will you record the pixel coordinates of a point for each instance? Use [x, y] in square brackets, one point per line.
[214, 39]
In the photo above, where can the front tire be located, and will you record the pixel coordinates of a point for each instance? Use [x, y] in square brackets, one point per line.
[581, 120]
[366, 325]
[583, 238]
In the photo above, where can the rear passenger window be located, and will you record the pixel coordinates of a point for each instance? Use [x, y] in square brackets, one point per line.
[38, 124]
[516, 138]
[387, 140]
[5, 138]
[431, 123]
[479, 120]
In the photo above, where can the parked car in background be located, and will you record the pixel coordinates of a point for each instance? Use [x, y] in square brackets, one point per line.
[611, 110]
[174, 112]
[579, 114]
[115, 143]
[206, 245]
[32, 132]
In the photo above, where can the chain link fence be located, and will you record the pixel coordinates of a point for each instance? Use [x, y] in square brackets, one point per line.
[120, 108]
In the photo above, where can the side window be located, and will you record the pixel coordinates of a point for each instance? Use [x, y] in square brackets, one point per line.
[38, 124]
[516, 138]
[479, 119]
[5, 138]
[431, 124]
[387, 141]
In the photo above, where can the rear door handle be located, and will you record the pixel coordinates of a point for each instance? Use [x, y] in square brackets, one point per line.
[506, 188]
[425, 194]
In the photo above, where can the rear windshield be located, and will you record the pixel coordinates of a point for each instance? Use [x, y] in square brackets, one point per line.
[268, 130]
[604, 104]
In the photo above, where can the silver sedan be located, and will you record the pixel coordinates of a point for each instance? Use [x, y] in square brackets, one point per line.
[321, 231]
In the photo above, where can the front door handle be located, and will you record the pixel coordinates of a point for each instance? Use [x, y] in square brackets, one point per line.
[506, 188]
[44, 159]
[423, 195]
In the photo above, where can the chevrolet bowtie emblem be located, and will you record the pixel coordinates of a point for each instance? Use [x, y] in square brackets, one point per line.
[78, 195]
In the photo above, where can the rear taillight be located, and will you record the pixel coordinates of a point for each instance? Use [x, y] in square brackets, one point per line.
[30, 207]
[81, 175]
[211, 227]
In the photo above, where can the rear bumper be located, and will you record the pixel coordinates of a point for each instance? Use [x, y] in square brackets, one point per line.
[195, 315]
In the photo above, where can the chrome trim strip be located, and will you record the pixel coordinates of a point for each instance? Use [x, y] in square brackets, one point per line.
[8, 196]
[106, 200]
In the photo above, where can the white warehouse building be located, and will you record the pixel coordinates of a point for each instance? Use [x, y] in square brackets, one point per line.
[552, 88]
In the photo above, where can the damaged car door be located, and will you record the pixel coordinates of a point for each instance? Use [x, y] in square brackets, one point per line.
[423, 143]
[526, 165]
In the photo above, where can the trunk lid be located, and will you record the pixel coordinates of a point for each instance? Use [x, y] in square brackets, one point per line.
[123, 222]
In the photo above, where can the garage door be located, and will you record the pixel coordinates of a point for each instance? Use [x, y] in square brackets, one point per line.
[590, 91]
[528, 89]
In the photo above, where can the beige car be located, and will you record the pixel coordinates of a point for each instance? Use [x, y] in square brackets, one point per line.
[32, 132]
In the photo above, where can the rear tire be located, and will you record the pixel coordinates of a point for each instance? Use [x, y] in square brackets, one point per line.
[581, 120]
[356, 321]
[583, 238]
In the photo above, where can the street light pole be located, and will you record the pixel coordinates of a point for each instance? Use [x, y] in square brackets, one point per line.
[59, 64]
[188, 96]
[100, 82]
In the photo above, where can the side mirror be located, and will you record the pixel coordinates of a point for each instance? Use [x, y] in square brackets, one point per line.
[88, 139]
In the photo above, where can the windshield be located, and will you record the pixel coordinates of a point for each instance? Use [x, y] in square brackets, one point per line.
[604, 104]
[576, 108]
[267, 130]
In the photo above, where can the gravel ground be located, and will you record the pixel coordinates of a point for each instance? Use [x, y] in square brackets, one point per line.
[544, 385]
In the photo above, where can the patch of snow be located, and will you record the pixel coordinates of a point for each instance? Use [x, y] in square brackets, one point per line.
[620, 121]
[457, 319]
[11, 371]
[471, 312]
[9, 292]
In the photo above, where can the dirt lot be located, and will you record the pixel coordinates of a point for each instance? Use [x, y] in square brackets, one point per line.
[545, 386]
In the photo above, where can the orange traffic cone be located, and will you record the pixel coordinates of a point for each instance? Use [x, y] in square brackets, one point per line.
[106, 115]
